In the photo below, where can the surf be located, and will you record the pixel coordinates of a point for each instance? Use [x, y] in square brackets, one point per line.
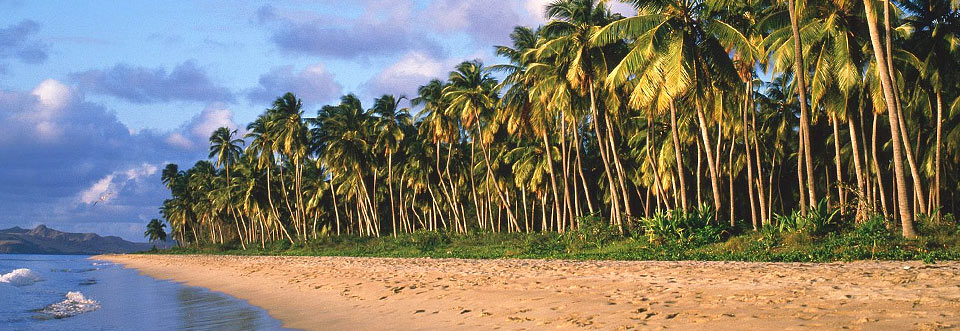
[20, 277]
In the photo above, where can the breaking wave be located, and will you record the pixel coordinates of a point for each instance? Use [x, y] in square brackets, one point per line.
[75, 304]
[20, 277]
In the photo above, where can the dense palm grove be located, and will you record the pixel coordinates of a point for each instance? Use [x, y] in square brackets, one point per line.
[745, 110]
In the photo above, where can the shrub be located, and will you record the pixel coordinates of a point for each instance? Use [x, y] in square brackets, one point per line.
[819, 220]
[591, 231]
[698, 226]
[543, 244]
[427, 241]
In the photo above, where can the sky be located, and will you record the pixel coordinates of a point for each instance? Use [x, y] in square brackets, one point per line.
[96, 97]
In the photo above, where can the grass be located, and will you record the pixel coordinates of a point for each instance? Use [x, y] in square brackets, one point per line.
[820, 237]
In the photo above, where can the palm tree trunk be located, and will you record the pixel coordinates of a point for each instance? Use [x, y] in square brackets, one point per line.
[764, 199]
[912, 163]
[401, 210]
[611, 182]
[661, 194]
[800, 175]
[936, 163]
[841, 191]
[393, 210]
[273, 208]
[298, 184]
[894, 119]
[336, 210]
[619, 165]
[876, 169]
[711, 163]
[586, 189]
[804, 111]
[699, 173]
[564, 158]
[858, 167]
[746, 145]
[733, 215]
[679, 155]
[286, 199]
[486, 153]
[473, 187]
[451, 202]
[908, 149]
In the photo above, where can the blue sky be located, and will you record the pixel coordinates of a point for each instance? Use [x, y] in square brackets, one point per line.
[97, 96]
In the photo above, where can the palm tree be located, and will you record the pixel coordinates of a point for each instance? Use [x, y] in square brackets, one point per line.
[936, 32]
[800, 72]
[582, 63]
[679, 50]
[260, 152]
[290, 132]
[599, 114]
[155, 231]
[883, 71]
[391, 117]
[347, 155]
[227, 150]
[472, 91]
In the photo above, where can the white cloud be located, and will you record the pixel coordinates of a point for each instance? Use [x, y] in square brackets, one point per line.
[53, 94]
[111, 186]
[195, 134]
[313, 84]
[536, 8]
[404, 76]
[43, 115]
[97, 191]
[210, 119]
[179, 140]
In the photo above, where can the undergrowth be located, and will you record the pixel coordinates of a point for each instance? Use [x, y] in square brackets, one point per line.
[823, 235]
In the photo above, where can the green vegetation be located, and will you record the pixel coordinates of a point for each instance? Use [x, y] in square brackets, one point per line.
[669, 236]
[748, 130]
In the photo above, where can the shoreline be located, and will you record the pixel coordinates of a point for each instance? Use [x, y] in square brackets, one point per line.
[435, 294]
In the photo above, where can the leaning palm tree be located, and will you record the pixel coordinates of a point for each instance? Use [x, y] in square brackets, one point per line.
[886, 81]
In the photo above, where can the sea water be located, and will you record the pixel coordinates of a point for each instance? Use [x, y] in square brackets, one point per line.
[57, 292]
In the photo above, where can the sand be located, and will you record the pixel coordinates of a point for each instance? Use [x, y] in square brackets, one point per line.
[339, 293]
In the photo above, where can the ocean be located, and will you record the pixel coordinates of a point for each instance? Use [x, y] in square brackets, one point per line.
[69, 292]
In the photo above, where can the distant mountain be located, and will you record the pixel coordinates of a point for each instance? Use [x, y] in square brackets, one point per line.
[44, 240]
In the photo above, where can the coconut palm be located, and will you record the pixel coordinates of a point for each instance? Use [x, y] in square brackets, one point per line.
[472, 92]
[155, 231]
[389, 135]
[886, 81]
[679, 50]
[582, 63]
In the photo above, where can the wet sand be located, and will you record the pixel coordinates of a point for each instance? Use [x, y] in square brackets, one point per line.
[340, 293]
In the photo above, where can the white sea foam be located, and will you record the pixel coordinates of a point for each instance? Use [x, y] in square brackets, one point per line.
[75, 304]
[20, 277]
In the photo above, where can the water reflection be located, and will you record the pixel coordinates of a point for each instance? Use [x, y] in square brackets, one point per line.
[203, 310]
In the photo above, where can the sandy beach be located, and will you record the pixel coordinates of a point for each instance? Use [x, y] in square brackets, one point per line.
[338, 293]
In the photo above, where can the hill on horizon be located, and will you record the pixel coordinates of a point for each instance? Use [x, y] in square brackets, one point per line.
[44, 240]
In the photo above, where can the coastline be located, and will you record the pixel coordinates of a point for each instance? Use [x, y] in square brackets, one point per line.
[435, 294]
